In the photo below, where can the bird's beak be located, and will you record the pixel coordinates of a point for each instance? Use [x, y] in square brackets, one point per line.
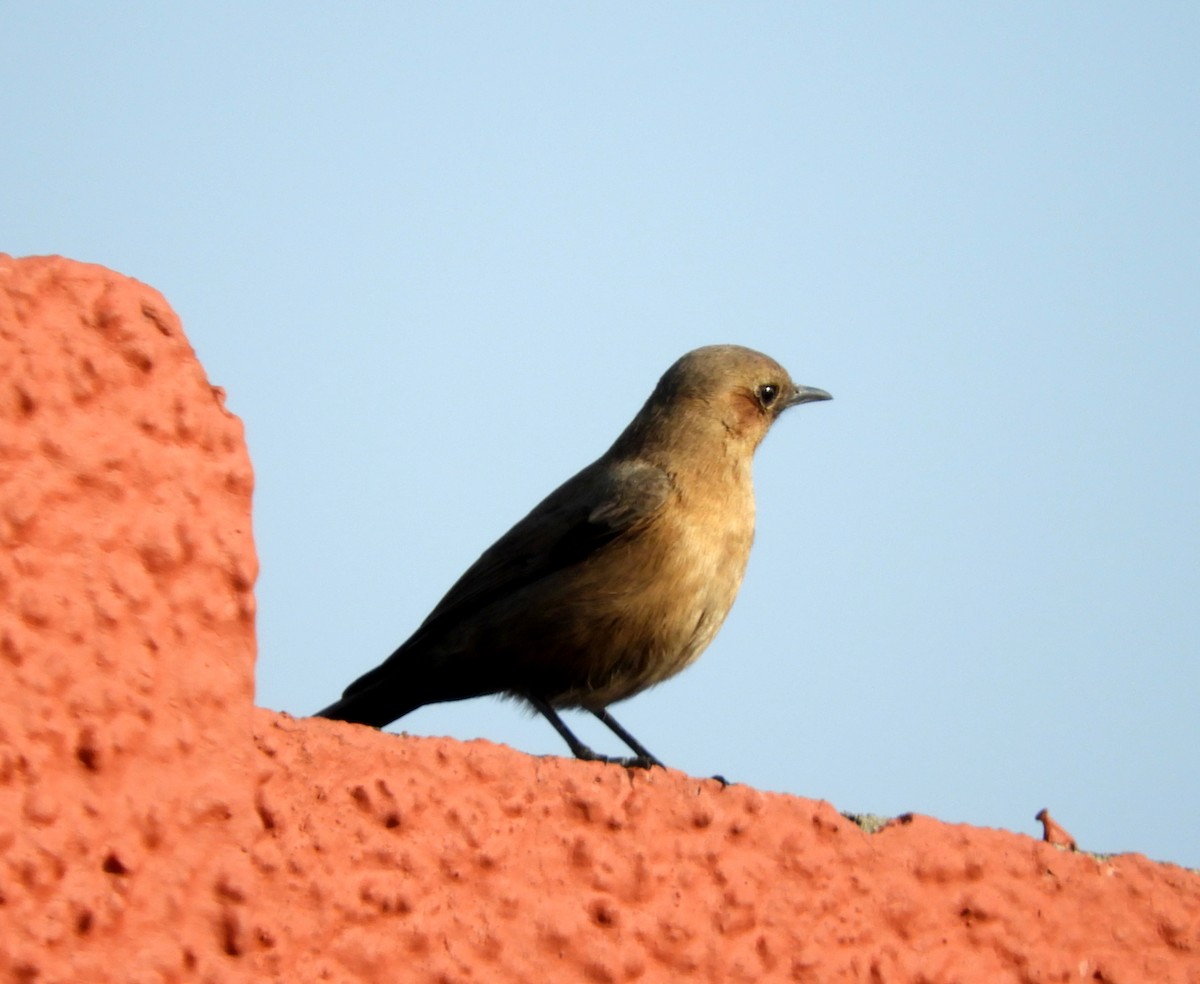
[806, 394]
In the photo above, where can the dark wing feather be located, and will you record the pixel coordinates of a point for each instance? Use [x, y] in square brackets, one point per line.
[602, 503]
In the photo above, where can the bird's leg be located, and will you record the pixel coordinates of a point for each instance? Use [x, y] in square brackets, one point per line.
[581, 751]
[645, 758]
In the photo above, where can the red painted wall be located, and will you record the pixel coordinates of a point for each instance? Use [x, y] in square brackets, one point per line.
[154, 826]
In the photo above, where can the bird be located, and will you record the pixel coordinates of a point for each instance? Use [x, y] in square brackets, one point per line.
[619, 578]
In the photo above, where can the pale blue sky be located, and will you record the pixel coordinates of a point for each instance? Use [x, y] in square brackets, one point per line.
[439, 254]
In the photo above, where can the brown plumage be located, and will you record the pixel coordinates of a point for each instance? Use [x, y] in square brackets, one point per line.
[620, 577]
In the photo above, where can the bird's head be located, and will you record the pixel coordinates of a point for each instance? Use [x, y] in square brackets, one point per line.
[728, 391]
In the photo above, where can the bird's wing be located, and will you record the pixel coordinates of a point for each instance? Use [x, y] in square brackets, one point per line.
[603, 503]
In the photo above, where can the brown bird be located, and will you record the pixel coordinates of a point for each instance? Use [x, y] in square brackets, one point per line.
[615, 581]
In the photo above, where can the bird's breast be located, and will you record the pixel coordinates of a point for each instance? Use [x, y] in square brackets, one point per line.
[713, 532]
[680, 577]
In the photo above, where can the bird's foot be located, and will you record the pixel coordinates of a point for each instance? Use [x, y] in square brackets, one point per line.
[585, 753]
[640, 762]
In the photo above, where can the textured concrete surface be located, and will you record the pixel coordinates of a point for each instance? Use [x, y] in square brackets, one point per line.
[154, 826]
[456, 862]
[126, 635]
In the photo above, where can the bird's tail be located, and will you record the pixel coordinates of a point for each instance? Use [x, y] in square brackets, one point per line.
[371, 705]
[406, 681]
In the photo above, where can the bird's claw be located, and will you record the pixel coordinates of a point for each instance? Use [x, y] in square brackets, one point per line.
[586, 754]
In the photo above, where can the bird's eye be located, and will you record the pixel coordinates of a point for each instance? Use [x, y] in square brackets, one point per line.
[768, 393]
